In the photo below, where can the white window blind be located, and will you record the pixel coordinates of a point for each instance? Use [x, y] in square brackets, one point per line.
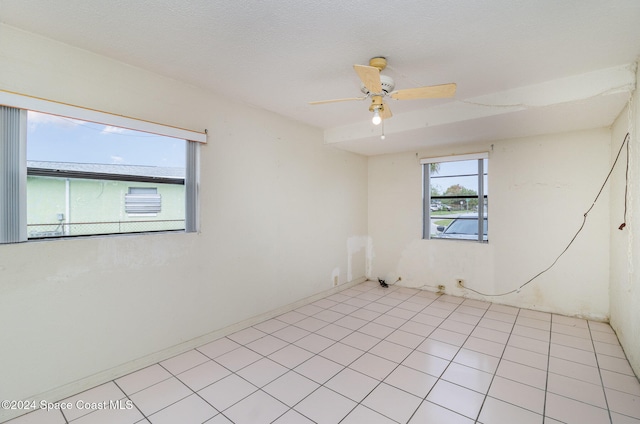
[13, 188]
[191, 185]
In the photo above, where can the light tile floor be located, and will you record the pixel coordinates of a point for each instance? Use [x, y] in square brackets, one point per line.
[373, 355]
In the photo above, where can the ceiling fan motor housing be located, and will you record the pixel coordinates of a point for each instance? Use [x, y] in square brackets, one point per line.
[387, 84]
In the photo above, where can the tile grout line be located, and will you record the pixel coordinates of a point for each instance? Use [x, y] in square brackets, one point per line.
[412, 351]
[414, 313]
[451, 360]
[486, 395]
[400, 363]
[219, 412]
[396, 367]
[194, 392]
[144, 416]
[344, 366]
[358, 403]
[64, 417]
[577, 379]
[314, 354]
[546, 380]
[595, 353]
[335, 341]
[259, 389]
[291, 408]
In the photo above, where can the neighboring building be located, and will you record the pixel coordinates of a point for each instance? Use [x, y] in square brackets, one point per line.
[67, 199]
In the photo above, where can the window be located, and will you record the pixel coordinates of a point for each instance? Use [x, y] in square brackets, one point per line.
[68, 177]
[455, 197]
[143, 201]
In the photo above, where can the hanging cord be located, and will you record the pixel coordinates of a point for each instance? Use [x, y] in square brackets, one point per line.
[629, 136]
[626, 188]
[584, 221]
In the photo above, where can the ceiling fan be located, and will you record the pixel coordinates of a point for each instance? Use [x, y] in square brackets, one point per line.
[377, 86]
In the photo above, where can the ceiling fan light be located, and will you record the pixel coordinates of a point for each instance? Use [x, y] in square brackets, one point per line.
[376, 117]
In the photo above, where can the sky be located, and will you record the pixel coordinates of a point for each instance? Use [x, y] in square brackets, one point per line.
[450, 173]
[57, 139]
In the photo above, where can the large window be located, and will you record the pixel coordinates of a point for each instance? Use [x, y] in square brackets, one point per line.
[455, 198]
[69, 177]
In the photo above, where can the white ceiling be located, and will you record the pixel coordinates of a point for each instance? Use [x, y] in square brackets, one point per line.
[523, 67]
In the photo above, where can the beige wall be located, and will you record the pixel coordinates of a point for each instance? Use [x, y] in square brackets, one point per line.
[539, 188]
[282, 216]
[625, 244]
[280, 212]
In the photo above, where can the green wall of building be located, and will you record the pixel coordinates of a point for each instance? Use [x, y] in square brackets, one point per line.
[96, 207]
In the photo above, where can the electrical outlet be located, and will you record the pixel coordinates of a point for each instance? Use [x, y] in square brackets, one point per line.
[460, 282]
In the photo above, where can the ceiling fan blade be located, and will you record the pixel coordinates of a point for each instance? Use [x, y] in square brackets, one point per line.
[321, 102]
[386, 111]
[370, 77]
[428, 92]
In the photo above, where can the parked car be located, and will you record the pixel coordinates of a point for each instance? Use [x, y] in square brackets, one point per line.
[439, 207]
[464, 227]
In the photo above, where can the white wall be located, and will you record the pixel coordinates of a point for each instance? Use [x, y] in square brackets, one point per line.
[625, 244]
[280, 212]
[539, 188]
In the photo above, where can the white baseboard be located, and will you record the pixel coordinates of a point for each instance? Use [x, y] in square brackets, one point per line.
[94, 380]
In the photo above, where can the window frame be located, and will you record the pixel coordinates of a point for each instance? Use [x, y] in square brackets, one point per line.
[481, 196]
[15, 217]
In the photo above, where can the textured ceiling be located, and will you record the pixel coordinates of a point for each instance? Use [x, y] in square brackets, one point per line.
[279, 55]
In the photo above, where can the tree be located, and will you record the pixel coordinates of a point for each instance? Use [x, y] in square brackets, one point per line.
[457, 190]
[434, 168]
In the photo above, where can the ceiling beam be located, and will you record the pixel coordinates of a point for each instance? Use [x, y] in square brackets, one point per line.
[575, 89]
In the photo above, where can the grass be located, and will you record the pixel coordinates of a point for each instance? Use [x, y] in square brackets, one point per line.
[447, 221]
[451, 212]
[444, 222]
